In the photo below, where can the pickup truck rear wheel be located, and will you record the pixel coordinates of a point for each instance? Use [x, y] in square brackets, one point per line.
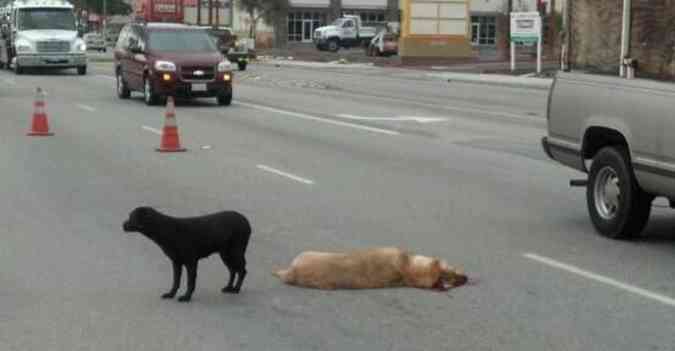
[618, 207]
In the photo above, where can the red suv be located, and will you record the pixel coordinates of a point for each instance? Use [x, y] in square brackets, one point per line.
[162, 59]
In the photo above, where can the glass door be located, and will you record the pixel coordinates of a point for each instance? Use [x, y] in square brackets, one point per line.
[307, 30]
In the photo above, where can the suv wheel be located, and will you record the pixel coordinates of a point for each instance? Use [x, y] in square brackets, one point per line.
[123, 91]
[618, 207]
[225, 99]
[82, 70]
[149, 95]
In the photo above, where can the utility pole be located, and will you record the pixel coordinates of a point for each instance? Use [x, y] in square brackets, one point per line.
[210, 12]
[553, 25]
[105, 22]
[217, 13]
[509, 9]
[199, 12]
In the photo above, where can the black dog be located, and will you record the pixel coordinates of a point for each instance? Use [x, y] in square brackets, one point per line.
[187, 240]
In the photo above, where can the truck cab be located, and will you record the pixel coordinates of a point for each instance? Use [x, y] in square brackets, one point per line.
[41, 33]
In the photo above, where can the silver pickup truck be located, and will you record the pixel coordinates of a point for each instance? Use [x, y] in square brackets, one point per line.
[622, 134]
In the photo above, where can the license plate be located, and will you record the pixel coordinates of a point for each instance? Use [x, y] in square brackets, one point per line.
[198, 87]
[57, 60]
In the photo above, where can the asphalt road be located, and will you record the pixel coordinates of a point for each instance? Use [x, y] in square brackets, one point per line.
[321, 159]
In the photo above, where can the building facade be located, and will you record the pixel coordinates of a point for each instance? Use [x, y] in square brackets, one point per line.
[651, 41]
[490, 26]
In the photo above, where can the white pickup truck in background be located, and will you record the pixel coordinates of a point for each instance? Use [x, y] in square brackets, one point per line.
[347, 31]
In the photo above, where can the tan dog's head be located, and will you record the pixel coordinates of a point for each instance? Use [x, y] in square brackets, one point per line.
[433, 273]
[450, 277]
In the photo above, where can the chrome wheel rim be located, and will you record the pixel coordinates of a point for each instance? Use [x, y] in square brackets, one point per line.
[607, 193]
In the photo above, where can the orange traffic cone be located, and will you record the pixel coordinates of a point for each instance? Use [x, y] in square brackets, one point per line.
[40, 126]
[170, 138]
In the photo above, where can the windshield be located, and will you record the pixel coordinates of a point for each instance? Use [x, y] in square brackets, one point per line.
[46, 19]
[338, 22]
[181, 41]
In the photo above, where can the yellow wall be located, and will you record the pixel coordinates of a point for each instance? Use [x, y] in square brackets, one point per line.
[435, 29]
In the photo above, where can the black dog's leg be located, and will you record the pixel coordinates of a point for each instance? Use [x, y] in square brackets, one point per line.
[229, 288]
[192, 277]
[177, 270]
[240, 267]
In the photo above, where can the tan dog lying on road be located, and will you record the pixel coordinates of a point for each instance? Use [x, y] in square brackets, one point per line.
[370, 269]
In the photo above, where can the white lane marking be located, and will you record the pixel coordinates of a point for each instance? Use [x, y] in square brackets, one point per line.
[602, 279]
[427, 104]
[152, 130]
[396, 118]
[319, 119]
[285, 174]
[105, 77]
[86, 108]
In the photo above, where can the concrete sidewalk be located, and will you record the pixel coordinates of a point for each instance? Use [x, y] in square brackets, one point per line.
[493, 79]
[529, 81]
[311, 64]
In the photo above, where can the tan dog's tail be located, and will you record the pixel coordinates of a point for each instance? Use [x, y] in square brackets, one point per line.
[285, 275]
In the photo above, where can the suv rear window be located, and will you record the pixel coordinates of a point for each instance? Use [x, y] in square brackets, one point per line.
[180, 41]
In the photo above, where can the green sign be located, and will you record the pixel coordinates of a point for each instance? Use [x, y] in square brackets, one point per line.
[524, 39]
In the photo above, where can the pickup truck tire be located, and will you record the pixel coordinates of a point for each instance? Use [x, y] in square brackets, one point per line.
[618, 207]
[18, 69]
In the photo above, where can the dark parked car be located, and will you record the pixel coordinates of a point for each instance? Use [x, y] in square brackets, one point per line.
[161, 59]
[235, 50]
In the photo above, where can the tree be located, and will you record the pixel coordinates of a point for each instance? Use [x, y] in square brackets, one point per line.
[266, 10]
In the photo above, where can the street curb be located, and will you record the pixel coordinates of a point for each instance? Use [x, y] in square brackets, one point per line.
[312, 64]
[494, 79]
